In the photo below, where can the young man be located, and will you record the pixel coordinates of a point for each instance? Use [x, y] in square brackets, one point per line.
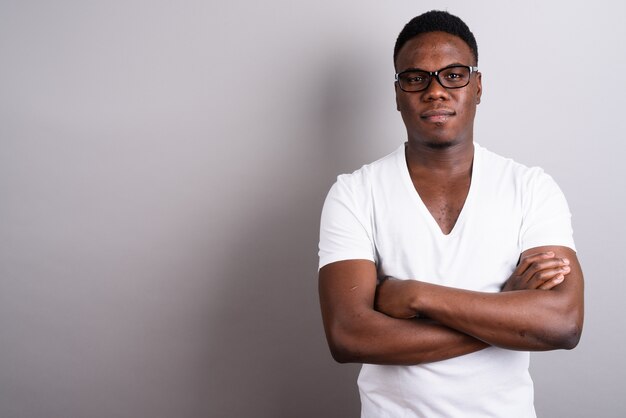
[443, 264]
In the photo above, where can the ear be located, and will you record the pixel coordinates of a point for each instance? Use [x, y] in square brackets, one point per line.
[479, 87]
[396, 88]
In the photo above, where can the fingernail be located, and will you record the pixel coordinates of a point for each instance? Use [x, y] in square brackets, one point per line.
[565, 261]
[559, 278]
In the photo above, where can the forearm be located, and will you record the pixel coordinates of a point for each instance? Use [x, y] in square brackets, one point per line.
[520, 320]
[541, 309]
[379, 339]
[357, 333]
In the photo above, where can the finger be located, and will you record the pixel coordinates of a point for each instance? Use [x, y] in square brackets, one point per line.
[550, 284]
[537, 256]
[551, 263]
[528, 260]
[545, 275]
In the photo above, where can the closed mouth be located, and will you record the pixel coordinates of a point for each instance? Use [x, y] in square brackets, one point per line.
[437, 113]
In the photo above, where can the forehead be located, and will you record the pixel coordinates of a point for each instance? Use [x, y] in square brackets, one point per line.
[432, 51]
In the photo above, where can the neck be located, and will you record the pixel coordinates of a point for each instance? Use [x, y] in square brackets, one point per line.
[453, 159]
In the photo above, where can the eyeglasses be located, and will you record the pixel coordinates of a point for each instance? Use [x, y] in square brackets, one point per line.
[452, 77]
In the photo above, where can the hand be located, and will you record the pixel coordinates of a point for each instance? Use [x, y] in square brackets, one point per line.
[394, 298]
[538, 271]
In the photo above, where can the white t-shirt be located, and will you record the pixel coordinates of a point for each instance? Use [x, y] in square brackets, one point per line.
[376, 214]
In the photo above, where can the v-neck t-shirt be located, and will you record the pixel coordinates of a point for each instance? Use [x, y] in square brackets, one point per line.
[376, 214]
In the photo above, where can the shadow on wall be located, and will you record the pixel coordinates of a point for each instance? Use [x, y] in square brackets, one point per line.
[268, 355]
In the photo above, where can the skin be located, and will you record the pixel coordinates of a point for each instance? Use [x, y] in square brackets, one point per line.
[440, 147]
[541, 303]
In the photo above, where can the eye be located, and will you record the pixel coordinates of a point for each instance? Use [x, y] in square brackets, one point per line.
[414, 78]
[454, 75]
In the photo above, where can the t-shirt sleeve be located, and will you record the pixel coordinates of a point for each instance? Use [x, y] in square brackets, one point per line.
[345, 233]
[547, 218]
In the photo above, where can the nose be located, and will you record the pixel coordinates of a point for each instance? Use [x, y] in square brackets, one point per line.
[435, 90]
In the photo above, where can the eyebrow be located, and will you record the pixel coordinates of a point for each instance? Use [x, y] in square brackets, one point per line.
[454, 64]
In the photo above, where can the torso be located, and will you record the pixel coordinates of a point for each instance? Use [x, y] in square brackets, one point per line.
[443, 198]
[406, 210]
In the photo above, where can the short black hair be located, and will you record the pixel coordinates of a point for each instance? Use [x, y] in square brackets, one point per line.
[436, 21]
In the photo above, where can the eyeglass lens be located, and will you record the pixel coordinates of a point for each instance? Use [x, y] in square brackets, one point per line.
[451, 77]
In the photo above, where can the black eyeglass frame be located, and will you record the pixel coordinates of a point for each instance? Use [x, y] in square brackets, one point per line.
[472, 69]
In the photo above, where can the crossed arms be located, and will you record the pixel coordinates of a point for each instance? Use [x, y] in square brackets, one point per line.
[405, 322]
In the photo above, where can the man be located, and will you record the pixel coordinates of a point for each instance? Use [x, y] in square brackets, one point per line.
[443, 264]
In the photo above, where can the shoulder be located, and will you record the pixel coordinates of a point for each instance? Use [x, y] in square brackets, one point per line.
[366, 177]
[531, 189]
[506, 169]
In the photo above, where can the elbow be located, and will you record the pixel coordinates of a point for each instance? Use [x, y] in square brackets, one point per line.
[340, 355]
[570, 336]
[562, 326]
[343, 352]
[566, 334]
[345, 347]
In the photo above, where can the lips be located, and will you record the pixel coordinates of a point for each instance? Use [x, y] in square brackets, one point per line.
[437, 115]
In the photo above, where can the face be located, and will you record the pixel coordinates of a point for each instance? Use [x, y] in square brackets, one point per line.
[438, 117]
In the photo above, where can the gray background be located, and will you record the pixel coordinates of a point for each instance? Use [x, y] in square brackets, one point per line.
[163, 166]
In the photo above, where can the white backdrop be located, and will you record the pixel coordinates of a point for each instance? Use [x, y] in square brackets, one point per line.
[163, 166]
